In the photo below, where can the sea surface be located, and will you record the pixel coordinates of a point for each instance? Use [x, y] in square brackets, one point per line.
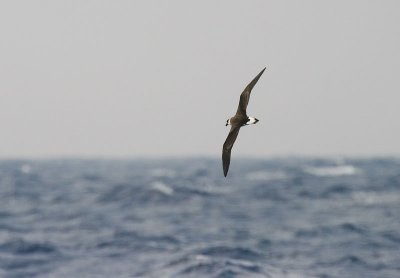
[286, 217]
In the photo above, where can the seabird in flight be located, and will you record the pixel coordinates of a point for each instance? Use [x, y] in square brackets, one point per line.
[240, 119]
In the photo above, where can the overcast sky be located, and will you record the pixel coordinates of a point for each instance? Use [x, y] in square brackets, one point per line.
[138, 78]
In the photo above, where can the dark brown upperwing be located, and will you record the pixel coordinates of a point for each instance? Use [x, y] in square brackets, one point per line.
[245, 96]
[226, 149]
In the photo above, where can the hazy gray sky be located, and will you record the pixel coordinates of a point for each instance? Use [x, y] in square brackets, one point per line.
[137, 78]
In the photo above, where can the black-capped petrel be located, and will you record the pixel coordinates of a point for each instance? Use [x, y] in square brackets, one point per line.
[240, 119]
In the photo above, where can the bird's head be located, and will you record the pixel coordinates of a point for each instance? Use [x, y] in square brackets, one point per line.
[228, 122]
[251, 121]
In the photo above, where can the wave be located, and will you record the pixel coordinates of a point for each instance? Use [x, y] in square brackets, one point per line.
[19, 246]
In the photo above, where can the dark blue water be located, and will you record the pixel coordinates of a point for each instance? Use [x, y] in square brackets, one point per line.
[182, 218]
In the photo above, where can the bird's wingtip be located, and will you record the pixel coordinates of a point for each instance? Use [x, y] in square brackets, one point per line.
[261, 72]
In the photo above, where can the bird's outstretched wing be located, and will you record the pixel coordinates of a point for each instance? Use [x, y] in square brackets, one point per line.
[226, 149]
[245, 96]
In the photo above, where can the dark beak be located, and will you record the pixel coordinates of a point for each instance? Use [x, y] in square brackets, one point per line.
[257, 120]
[226, 124]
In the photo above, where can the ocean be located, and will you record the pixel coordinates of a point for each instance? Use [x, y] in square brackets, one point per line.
[284, 217]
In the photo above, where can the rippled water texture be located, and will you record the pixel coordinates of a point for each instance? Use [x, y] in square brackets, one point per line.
[182, 218]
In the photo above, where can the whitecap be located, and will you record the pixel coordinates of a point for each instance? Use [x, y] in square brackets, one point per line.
[26, 168]
[370, 198]
[266, 175]
[163, 188]
[162, 172]
[331, 171]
